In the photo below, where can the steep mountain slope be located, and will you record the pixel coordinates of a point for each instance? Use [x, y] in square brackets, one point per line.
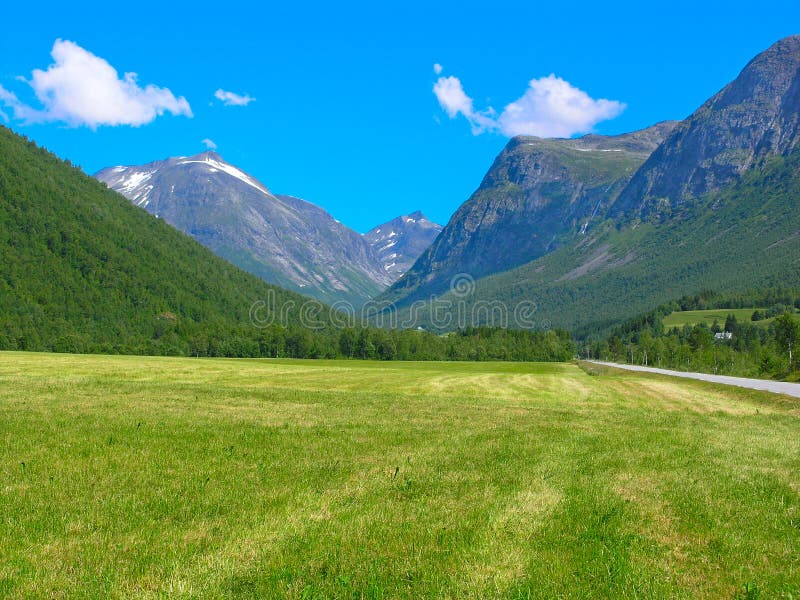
[746, 236]
[754, 116]
[716, 206]
[400, 242]
[539, 195]
[283, 240]
[82, 269]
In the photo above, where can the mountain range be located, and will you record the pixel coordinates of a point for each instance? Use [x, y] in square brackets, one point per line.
[538, 196]
[589, 231]
[282, 239]
[401, 241]
[710, 202]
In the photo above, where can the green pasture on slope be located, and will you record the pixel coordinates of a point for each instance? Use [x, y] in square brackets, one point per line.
[696, 317]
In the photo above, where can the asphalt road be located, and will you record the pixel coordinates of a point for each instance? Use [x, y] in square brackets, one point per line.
[779, 387]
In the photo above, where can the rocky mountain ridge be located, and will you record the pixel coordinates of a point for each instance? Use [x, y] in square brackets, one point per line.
[282, 239]
[754, 116]
[714, 206]
[539, 195]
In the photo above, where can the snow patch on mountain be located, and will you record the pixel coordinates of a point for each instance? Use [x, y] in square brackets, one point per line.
[400, 242]
[134, 180]
[215, 165]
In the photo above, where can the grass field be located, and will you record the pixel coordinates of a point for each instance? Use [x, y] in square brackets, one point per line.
[695, 317]
[159, 477]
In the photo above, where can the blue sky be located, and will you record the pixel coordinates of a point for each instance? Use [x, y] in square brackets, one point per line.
[345, 113]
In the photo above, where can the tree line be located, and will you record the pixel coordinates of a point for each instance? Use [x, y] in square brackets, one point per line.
[294, 341]
[763, 346]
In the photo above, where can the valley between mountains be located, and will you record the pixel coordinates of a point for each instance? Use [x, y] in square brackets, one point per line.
[201, 395]
[586, 233]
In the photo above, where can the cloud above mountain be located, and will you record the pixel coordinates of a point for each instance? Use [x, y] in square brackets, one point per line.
[82, 89]
[454, 100]
[233, 99]
[550, 107]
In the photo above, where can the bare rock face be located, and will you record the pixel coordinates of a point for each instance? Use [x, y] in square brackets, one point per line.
[399, 242]
[755, 115]
[539, 195]
[283, 240]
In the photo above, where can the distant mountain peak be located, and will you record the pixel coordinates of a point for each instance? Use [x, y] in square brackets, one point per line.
[214, 162]
[208, 155]
[399, 242]
[131, 181]
[284, 240]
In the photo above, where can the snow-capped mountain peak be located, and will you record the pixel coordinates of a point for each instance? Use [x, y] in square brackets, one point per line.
[402, 240]
[132, 181]
[214, 162]
[282, 239]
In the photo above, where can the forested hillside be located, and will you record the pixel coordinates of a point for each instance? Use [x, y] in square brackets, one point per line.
[83, 270]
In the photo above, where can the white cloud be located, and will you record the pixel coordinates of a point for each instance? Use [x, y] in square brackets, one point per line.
[454, 100]
[550, 107]
[437, 68]
[80, 88]
[209, 144]
[232, 99]
[452, 97]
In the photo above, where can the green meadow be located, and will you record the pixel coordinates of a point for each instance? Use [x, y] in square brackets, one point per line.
[134, 477]
[697, 317]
